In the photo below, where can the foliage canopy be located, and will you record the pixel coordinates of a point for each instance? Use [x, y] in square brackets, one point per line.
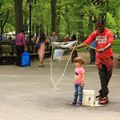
[72, 16]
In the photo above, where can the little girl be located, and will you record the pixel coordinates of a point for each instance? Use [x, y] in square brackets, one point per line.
[79, 80]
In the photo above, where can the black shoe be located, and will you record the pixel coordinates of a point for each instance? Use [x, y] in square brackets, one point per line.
[98, 97]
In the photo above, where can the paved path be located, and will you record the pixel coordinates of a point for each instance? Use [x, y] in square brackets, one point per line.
[26, 93]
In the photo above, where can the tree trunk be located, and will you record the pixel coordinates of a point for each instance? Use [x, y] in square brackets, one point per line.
[67, 21]
[53, 15]
[81, 27]
[58, 19]
[107, 9]
[18, 15]
[90, 23]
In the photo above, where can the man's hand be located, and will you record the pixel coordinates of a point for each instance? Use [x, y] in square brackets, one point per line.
[101, 50]
[105, 48]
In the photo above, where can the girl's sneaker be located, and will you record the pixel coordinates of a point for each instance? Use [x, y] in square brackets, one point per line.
[79, 104]
[73, 103]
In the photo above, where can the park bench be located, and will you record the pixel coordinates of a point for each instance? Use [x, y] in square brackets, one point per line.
[118, 59]
[8, 52]
[11, 59]
[8, 55]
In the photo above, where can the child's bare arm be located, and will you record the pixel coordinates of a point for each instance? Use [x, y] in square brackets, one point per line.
[83, 79]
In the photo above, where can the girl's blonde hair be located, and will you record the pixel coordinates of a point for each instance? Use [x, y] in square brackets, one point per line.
[80, 60]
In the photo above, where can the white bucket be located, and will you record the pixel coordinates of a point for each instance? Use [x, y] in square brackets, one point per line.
[58, 53]
[88, 98]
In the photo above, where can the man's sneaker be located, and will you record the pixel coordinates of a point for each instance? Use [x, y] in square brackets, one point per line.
[104, 100]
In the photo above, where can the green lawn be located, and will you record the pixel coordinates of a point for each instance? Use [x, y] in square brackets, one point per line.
[116, 46]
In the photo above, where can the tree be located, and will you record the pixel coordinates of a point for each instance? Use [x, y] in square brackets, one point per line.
[61, 16]
[18, 15]
[4, 14]
[53, 14]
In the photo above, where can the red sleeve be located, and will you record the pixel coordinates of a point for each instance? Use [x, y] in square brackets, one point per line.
[91, 38]
[110, 38]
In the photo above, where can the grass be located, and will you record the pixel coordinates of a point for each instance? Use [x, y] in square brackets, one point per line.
[116, 46]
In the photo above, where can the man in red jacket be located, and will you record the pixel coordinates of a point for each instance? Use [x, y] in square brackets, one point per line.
[104, 56]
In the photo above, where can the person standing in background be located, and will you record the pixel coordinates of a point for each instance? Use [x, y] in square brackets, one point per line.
[66, 38]
[20, 43]
[54, 37]
[41, 48]
[75, 53]
[92, 52]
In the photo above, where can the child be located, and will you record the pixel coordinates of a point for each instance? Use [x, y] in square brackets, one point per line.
[79, 80]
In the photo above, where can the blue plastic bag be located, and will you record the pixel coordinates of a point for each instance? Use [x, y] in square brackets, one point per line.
[25, 59]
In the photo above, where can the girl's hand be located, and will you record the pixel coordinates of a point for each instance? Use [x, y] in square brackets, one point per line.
[82, 84]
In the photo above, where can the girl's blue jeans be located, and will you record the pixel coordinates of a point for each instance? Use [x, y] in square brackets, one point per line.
[78, 93]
